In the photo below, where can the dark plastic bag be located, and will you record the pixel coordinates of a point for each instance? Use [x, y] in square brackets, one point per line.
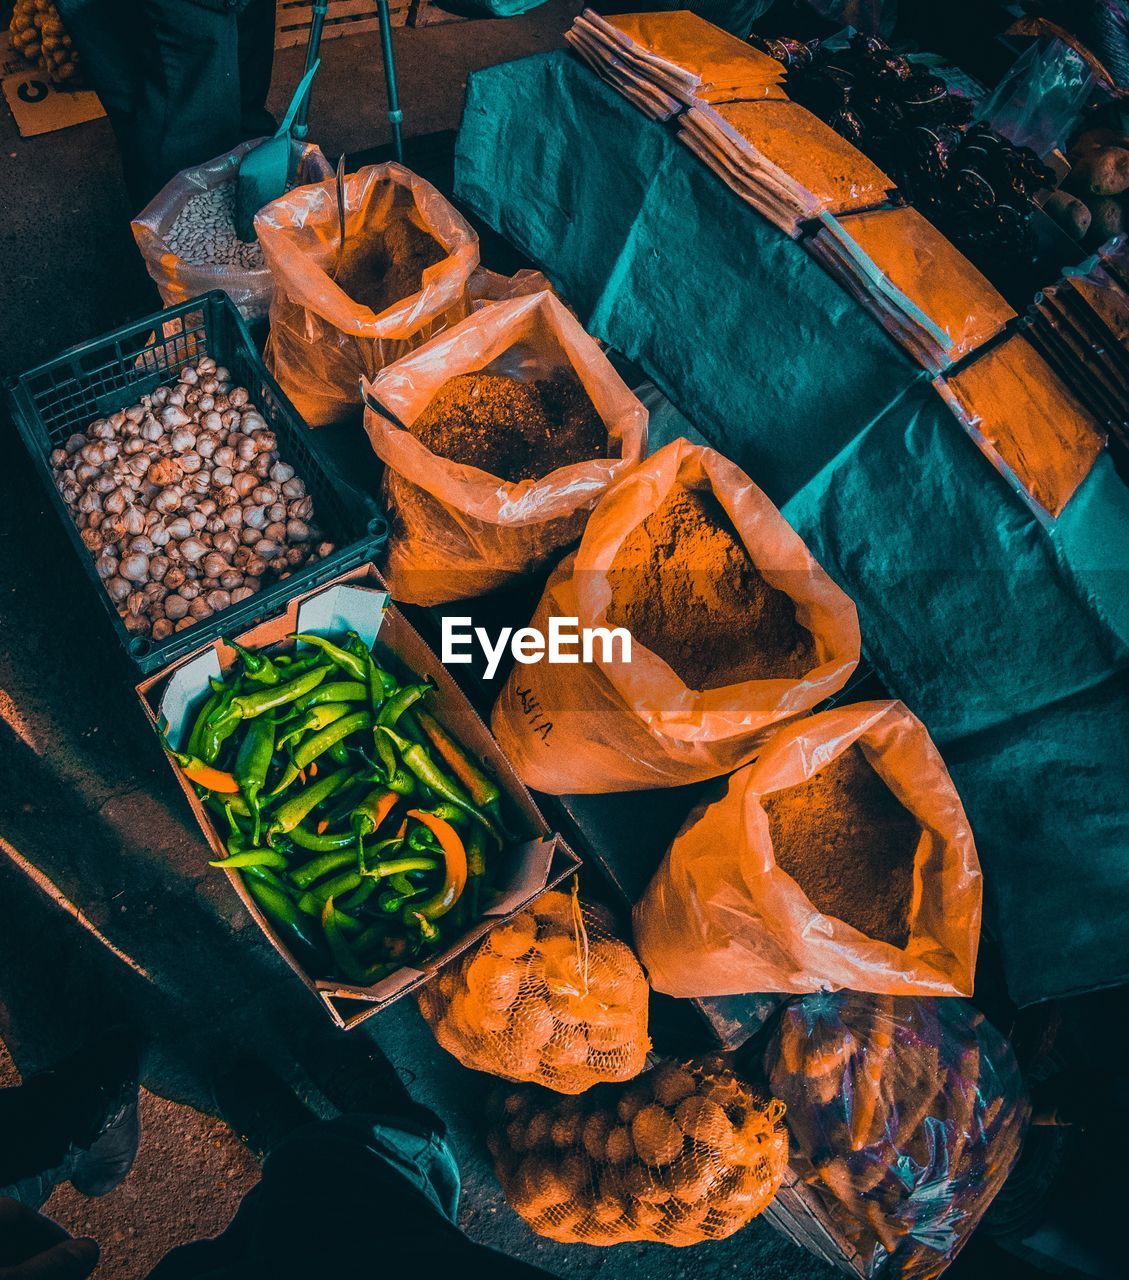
[904, 1114]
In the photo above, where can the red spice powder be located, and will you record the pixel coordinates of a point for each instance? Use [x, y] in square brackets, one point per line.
[686, 588]
[849, 843]
[387, 268]
[511, 429]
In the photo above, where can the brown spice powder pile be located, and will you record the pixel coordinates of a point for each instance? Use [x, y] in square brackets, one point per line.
[684, 586]
[514, 430]
[388, 268]
[849, 843]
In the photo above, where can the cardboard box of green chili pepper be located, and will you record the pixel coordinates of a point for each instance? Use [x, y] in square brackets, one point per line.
[358, 804]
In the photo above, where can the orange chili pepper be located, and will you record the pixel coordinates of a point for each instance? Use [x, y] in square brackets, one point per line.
[204, 775]
[454, 862]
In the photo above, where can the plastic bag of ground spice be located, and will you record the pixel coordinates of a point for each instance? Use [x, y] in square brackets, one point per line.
[517, 425]
[904, 1115]
[686, 1153]
[186, 233]
[552, 998]
[841, 857]
[403, 277]
[734, 628]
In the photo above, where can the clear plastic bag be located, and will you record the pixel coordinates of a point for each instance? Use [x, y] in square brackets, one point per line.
[551, 998]
[1039, 102]
[611, 725]
[721, 917]
[686, 1153]
[178, 280]
[457, 531]
[904, 1115]
[322, 341]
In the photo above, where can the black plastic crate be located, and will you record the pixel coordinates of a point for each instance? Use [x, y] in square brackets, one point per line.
[97, 378]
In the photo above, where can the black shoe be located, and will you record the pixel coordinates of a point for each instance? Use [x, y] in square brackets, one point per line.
[90, 1103]
[258, 1106]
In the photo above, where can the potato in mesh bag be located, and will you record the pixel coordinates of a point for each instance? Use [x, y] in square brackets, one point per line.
[550, 997]
[686, 1153]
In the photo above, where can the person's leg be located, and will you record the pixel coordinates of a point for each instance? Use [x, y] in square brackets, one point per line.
[188, 108]
[256, 63]
[77, 1122]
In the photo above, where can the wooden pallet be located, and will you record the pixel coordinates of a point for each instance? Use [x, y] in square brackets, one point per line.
[350, 18]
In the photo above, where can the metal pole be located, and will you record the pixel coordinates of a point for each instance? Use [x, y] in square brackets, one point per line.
[395, 115]
[313, 45]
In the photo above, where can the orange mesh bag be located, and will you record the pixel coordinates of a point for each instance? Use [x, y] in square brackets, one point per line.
[686, 1153]
[841, 858]
[734, 628]
[458, 530]
[551, 998]
[403, 278]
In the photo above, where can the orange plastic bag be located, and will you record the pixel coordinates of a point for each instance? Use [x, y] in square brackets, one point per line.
[552, 998]
[610, 725]
[322, 342]
[720, 917]
[686, 1153]
[457, 531]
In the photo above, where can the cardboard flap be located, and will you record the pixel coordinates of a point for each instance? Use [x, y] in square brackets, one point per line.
[344, 608]
[183, 690]
[530, 863]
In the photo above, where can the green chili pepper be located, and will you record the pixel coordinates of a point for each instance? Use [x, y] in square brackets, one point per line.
[359, 896]
[476, 869]
[344, 956]
[257, 667]
[333, 691]
[218, 727]
[315, 719]
[192, 746]
[292, 811]
[428, 932]
[305, 875]
[267, 876]
[418, 760]
[292, 926]
[339, 752]
[339, 657]
[311, 901]
[400, 890]
[334, 733]
[323, 842]
[286, 779]
[247, 706]
[368, 859]
[252, 764]
[251, 858]
[420, 839]
[400, 702]
[449, 812]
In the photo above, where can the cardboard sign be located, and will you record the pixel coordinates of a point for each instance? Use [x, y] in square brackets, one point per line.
[40, 106]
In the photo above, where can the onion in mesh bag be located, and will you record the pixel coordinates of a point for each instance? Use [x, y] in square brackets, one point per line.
[686, 1153]
[550, 997]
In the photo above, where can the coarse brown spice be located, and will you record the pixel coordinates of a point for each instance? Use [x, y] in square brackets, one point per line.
[849, 843]
[384, 269]
[513, 430]
[686, 588]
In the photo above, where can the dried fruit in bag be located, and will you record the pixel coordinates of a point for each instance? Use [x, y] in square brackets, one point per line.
[551, 997]
[686, 1153]
[904, 1114]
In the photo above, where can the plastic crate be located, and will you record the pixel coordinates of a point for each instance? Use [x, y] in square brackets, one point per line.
[97, 378]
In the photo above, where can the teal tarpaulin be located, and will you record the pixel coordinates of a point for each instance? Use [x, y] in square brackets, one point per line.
[734, 322]
[1009, 637]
